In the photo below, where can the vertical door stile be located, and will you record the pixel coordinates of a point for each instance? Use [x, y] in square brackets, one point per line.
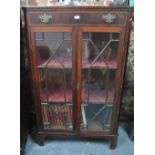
[79, 67]
[74, 77]
[35, 81]
[118, 83]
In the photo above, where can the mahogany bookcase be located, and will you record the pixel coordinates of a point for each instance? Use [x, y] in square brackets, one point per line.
[77, 58]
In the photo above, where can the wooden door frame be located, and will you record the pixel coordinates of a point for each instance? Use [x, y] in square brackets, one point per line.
[34, 74]
[119, 75]
[77, 31]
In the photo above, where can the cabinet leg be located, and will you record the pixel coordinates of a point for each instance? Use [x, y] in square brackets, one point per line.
[40, 140]
[113, 142]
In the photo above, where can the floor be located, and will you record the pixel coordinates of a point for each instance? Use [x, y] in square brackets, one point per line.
[81, 147]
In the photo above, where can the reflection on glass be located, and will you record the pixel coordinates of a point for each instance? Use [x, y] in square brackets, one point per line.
[99, 65]
[96, 117]
[54, 63]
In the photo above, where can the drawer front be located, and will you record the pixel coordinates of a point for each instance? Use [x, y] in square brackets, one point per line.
[118, 18]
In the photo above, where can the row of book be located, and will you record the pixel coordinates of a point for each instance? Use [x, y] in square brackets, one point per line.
[57, 116]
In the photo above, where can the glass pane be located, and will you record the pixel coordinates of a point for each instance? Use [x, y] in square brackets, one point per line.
[54, 63]
[96, 117]
[99, 66]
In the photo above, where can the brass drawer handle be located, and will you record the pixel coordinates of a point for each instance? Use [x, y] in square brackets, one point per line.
[109, 18]
[45, 18]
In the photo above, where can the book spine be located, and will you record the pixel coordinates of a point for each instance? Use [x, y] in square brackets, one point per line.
[57, 115]
[53, 115]
[71, 113]
[110, 114]
[43, 114]
[46, 113]
[61, 116]
[71, 118]
[50, 115]
[66, 115]
[106, 116]
[83, 116]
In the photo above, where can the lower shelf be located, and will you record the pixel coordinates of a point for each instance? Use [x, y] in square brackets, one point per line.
[93, 117]
[96, 126]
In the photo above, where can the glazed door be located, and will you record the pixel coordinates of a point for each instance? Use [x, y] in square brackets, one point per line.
[99, 64]
[54, 76]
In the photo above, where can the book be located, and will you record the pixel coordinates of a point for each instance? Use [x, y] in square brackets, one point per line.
[53, 115]
[60, 115]
[105, 116]
[43, 115]
[84, 120]
[46, 122]
[57, 116]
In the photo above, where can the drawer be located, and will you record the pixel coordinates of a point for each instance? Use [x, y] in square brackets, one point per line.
[78, 18]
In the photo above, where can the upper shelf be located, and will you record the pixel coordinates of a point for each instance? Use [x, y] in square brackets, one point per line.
[86, 64]
[55, 64]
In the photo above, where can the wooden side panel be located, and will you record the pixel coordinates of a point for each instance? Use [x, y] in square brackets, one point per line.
[31, 70]
[123, 58]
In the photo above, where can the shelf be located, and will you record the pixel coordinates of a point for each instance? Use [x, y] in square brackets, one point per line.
[98, 97]
[86, 64]
[55, 64]
[99, 64]
[96, 126]
[57, 96]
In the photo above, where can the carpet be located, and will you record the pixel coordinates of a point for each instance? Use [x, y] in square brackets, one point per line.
[80, 147]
